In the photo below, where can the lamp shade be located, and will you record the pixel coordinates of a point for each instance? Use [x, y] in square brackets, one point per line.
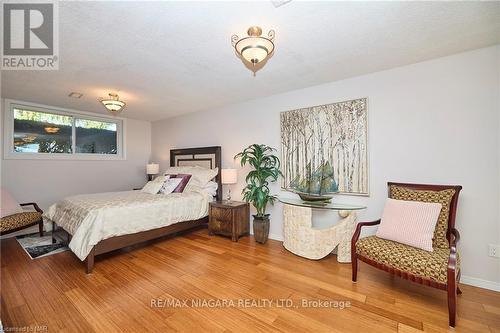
[152, 169]
[255, 48]
[229, 176]
[113, 103]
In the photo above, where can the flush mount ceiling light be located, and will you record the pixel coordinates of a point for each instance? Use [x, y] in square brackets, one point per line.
[51, 129]
[254, 49]
[113, 104]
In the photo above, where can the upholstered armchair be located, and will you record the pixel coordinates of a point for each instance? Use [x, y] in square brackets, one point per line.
[14, 218]
[439, 268]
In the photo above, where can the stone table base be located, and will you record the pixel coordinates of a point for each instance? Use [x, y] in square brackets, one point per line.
[302, 239]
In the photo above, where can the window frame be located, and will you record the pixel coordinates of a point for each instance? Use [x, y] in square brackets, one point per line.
[8, 138]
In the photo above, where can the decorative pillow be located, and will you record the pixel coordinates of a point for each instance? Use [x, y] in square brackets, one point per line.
[161, 179]
[185, 179]
[409, 222]
[9, 206]
[170, 185]
[443, 197]
[211, 188]
[152, 187]
[201, 176]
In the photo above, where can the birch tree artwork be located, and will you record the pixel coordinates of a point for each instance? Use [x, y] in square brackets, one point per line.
[336, 133]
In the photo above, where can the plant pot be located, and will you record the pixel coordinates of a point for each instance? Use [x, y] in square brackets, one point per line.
[261, 228]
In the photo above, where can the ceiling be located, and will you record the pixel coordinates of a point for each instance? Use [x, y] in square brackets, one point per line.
[169, 58]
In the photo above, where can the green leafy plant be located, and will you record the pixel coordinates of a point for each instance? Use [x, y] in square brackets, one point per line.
[266, 167]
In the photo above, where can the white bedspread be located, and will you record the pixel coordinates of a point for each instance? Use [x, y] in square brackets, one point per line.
[91, 218]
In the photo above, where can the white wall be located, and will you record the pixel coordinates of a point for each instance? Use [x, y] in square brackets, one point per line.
[498, 131]
[46, 181]
[431, 122]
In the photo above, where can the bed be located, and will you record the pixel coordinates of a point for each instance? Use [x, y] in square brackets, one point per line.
[104, 222]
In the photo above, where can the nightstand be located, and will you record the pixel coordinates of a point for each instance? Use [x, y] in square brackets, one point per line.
[229, 218]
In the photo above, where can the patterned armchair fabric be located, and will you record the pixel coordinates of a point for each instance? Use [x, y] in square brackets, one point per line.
[428, 265]
[443, 197]
[19, 220]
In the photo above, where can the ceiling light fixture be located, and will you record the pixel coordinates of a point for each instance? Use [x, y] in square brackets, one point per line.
[254, 49]
[51, 129]
[113, 104]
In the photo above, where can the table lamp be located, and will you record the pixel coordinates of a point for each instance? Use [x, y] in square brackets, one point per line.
[229, 176]
[152, 169]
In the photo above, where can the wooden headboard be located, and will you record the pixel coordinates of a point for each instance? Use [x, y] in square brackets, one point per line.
[207, 157]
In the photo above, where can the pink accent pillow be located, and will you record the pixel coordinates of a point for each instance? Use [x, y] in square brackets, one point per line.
[9, 205]
[170, 185]
[183, 183]
[409, 222]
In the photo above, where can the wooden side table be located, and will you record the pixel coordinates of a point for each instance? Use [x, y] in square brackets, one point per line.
[229, 218]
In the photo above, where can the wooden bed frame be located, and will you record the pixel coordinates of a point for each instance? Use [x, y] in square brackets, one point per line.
[189, 157]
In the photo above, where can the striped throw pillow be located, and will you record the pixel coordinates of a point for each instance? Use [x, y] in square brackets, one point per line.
[409, 222]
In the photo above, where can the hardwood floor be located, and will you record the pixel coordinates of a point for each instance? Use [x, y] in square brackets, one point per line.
[129, 291]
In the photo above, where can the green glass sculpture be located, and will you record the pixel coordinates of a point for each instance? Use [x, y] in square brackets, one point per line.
[318, 185]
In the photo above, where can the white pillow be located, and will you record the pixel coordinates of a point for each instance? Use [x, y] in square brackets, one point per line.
[211, 188]
[409, 222]
[169, 185]
[152, 187]
[200, 176]
[161, 179]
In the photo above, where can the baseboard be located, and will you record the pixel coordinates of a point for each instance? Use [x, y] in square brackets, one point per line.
[471, 281]
[272, 236]
[276, 237]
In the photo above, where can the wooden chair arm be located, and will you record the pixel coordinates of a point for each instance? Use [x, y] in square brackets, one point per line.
[452, 261]
[34, 206]
[456, 237]
[356, 234]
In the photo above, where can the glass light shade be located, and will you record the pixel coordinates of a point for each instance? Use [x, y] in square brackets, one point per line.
[51, 130]
[152, 169]
[113, 104]
[229, 176]
[254, 49]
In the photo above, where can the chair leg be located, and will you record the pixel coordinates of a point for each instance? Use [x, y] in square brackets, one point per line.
[53, 231]
[354, 263]
[40, 227]
[452, 298]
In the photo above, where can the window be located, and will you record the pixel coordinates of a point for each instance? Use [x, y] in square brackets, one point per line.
[38, 132]
[95, 137]
[43, 132]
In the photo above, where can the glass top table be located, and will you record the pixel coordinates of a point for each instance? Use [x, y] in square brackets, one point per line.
[319, 205]
[302, 238]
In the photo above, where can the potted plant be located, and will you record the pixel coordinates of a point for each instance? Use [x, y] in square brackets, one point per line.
[266, 168]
